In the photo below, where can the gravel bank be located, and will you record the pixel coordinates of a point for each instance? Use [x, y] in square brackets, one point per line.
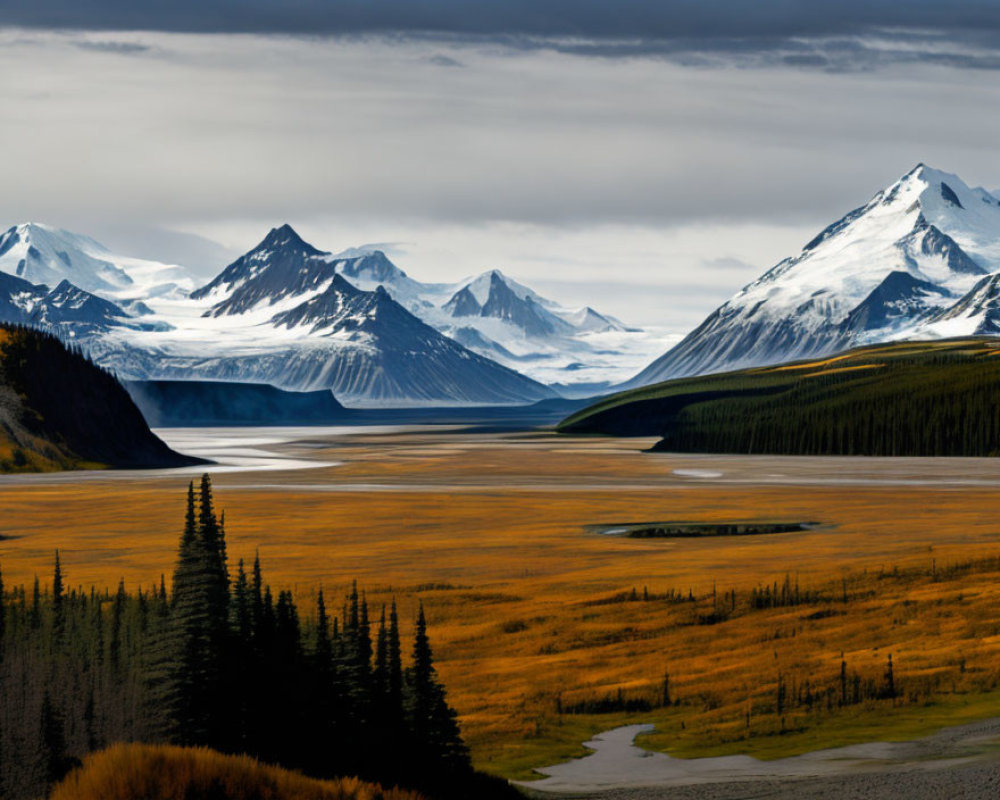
[954, 764]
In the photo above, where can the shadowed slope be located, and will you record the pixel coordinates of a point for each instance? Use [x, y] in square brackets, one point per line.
[60, 411]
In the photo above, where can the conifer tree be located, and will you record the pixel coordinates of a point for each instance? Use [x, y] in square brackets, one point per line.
[242, 605]
[3, 617]
[395, 663]
[57, 596]
[381, 675]
[433, 722]
[36, 605]
[200, 615]
[324, 646]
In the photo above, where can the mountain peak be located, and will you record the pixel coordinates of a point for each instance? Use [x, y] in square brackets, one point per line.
[372, 266]
[881, 271]
[283, 237]
[43, 254]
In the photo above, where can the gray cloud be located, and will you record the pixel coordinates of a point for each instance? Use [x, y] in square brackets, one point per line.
[119, 48]
[444, 61]
[841, 36]
[283, 128]
[727, 263]
[644, 19]
[636, 170]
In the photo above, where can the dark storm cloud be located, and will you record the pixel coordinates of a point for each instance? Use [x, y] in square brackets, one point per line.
[626, 19]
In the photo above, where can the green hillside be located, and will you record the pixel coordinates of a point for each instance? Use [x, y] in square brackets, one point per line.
[905, 399]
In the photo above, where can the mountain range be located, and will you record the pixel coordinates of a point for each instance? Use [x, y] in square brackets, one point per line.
[920, 260]
[303, 319]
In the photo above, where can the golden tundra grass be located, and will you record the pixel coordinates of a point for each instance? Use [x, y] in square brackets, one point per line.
[491, 536]
[158, 772]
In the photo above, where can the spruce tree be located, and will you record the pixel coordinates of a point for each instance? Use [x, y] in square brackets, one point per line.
[200, 601]
[3, 617]
[324, 646]
[381, 676]
[57, 597]
[395, 664]
[433, 723]
[36, 606]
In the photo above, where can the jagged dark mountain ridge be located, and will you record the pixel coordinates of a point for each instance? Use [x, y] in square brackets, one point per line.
[67, 310]
[503, 303]
[463, 304]
[60, 411]
[282, 265]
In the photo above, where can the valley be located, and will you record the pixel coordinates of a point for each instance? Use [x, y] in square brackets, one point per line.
[532, 611]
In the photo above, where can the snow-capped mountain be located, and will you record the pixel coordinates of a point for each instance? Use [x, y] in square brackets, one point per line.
[910, 263]
[66, 310]
[295, 316]
[283, 314]
[281, 266]
[490, 314]
[45, 255]
[581, 350]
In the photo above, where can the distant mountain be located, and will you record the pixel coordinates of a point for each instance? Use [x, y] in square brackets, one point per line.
[289, 314]
[586, 319]
[284, 315]
[73, 310]
[463, 304]
[910, 263]
[282, 265]
[523, 312]
[167, 404]
[66, 310]
[59, 411]
[516, 326]
[41, 254]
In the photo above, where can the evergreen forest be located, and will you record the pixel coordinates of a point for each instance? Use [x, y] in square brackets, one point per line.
[907, 399]
[222, 661]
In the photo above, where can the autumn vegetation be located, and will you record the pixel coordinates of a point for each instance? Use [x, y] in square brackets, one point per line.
[546, 632]
[165, 772]
[220, 662]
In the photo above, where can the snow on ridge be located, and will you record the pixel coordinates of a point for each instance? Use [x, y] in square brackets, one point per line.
[846, 287]
[168, 321]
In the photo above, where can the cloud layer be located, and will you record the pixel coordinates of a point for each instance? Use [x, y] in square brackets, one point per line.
[532, 159]
[636, 19]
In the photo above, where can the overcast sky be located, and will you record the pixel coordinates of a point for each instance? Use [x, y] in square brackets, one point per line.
[648, 162]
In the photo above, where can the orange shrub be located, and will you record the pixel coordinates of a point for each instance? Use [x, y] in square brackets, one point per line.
[161, 772]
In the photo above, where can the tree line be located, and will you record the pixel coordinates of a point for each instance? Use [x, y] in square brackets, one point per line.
[942, 405]
[222, 661]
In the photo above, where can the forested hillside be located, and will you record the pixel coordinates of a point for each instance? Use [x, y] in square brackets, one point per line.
[907, 399]
[60, 411]
[222, 661]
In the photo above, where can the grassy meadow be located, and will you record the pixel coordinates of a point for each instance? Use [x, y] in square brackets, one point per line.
[534, 616]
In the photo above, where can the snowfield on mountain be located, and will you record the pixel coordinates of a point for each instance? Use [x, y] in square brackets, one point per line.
[299, 318]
